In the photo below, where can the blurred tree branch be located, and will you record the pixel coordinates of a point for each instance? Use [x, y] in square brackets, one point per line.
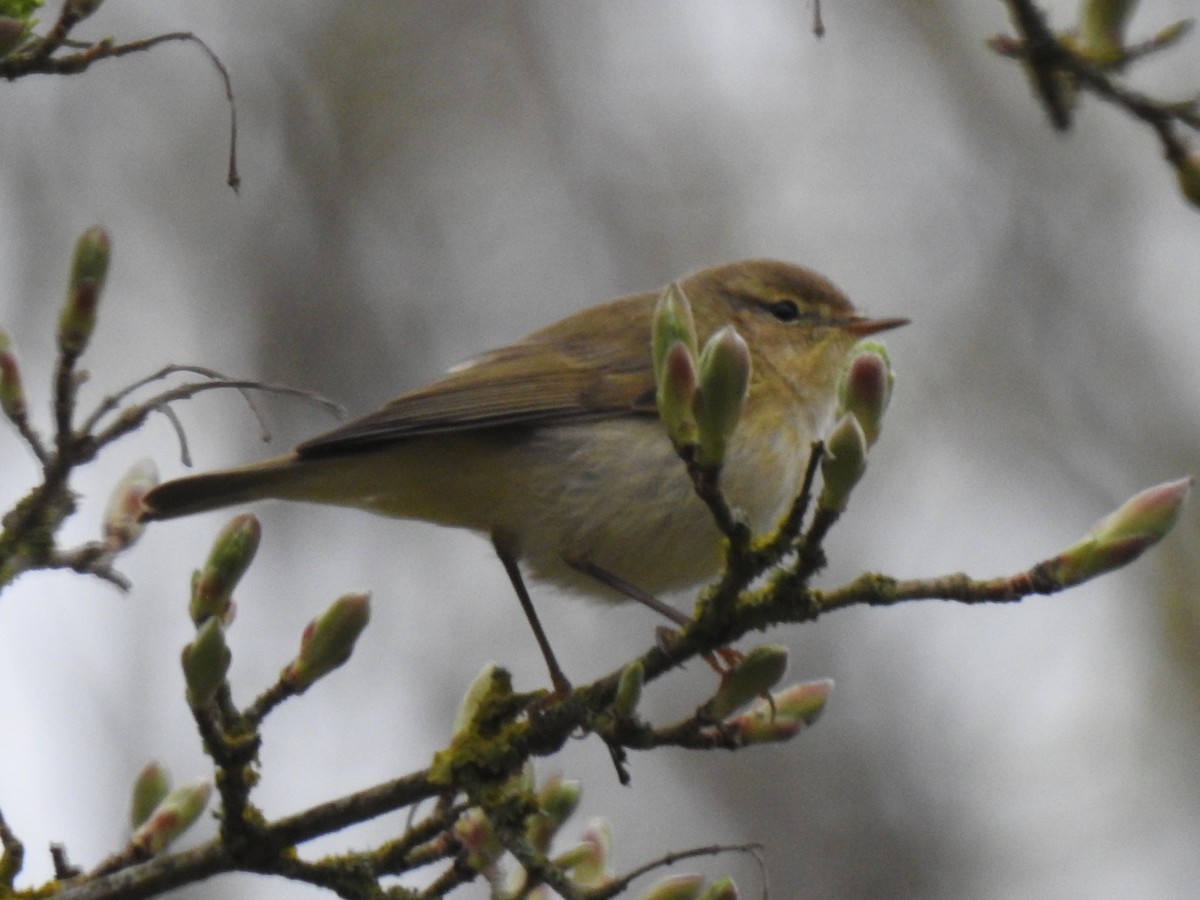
[1091, 59]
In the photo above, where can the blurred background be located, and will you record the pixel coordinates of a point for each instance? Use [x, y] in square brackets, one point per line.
[422, 181]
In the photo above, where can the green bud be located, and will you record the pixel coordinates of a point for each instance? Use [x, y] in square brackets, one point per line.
[205, 662]
[559, 798]
[757, 673]
[629, 690]
[676, 395]
[171, 818]
[1102, 29]
[593, 868]
[721, 889]
[232, 552]
[843, 464]
[1124, 535]
[479, 690]
[152, 784]
[672, 324]
[865, 387]
[724, 381]
[88, 271]
[328, 641]
[787, 713]
[12, 394]
[122, 525]
[676, 887]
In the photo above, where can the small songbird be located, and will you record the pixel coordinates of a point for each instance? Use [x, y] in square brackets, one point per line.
[552, 446]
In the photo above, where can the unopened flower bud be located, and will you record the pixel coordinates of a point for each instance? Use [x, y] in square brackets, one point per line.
[556, 800]
[1124, 535]
[672, 324]
[12, 394]
[843, 464]
[866, 387]
[724, 380]
[589, 860]
[721, 889]
[152, 784]
[676, 887]
[172, 817]
[89, 268]
[787, 713]
[205, 662]
[328, 641]
[232, 553]
[758, 671]
[676, 396]
[122, 526]
[629, 690]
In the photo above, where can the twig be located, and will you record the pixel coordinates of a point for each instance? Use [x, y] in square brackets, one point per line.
[618, 885]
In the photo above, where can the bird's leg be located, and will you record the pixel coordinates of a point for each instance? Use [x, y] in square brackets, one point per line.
[729, 656]
[561, 685]
[632, 591]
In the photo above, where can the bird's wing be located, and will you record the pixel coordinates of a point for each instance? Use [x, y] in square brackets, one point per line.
[540, 381]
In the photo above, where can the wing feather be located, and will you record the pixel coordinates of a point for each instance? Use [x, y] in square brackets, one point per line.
[552, 376]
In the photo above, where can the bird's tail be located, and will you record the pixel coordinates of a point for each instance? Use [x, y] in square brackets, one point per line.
[214, 490]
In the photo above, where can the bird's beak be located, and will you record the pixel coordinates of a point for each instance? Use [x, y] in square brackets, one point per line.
[861, 326]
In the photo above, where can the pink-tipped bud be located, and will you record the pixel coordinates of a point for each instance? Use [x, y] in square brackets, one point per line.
[122, 526]
[590, 867]
[12, 394]
[672, 323]
[676, 887]
[721, 889]
[788, 713]
[89, 268]
[1124, 535]
[724, 382]
[843, 464]
[676, 395]
[758, 671]
[171, 818]
[205, 662]
[865, 388]
[152, 784]
[232, 553]
[328, 641]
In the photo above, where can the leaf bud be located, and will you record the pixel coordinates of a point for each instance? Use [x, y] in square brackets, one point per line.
[843, 464]
[122, 525]
[89, 268]
[724, 381]
[232, 552]
[205, 662]
[328, 641]
[758, 671]
[171, 818]
[152, 784]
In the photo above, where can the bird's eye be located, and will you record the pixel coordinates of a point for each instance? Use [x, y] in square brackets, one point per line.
[785, 310]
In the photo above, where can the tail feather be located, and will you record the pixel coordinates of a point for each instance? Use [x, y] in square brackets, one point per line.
[213, 490]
